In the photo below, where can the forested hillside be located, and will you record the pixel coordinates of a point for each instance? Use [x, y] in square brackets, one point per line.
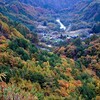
[49, 49]
[31, 74]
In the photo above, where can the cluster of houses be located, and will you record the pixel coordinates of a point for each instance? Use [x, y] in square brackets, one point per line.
[52, 38]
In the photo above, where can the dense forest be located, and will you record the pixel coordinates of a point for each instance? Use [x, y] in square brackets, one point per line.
[28, 73]
[70, 71]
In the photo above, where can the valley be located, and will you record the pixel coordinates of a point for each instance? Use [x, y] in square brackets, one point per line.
[49, 49]
[45, 22]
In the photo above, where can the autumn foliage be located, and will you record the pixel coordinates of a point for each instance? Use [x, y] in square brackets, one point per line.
[28, 73]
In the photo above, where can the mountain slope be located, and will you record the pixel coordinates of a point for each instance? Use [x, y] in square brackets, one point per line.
[92, 11]
[88, 10]
[51, 4]
[22, 13]
[28, 73]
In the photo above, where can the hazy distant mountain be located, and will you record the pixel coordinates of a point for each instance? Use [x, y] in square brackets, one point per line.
[53, 4]
[50, 4]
